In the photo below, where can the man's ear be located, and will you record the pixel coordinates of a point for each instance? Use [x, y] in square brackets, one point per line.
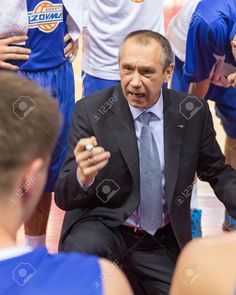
[31, 175]
[168, 72]
[233, 46]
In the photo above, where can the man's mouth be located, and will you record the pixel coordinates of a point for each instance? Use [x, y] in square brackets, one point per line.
[136, 95]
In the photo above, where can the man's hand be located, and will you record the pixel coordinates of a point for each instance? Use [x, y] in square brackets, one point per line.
[12, 52]
[71, 48]
[232, 79]
[89, 161]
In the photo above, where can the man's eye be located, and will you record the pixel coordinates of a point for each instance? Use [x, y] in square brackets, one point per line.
[128, 69]
[146, 73]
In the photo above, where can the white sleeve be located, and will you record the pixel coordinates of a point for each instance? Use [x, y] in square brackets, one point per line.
[13, 18]
[178, 28]
[77, 16]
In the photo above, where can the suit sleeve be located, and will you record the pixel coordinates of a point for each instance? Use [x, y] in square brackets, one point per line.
[68, 193]
[212, 167]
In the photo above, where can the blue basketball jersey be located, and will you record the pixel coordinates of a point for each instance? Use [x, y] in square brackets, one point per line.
[38, 272]
[208, 46]
[47, 27]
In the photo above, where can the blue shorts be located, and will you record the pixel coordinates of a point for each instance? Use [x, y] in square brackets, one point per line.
[228, 123]
[178, 82]
[59, 82]
[93, 84]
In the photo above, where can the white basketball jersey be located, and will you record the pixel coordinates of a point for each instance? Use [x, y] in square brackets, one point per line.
[107, 23]
[178, 28]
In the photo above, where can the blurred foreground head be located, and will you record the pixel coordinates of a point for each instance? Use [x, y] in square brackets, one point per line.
[29, 125]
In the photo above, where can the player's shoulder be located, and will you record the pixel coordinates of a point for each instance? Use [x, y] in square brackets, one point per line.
[113, 276]
[206, 262]
[211, 250]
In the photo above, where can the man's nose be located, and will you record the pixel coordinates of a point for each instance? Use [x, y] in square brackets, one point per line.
[136, 80]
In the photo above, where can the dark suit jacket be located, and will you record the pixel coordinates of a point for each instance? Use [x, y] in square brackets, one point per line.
[189, 146]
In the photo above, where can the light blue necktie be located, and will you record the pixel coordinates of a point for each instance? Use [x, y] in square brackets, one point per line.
[151, 195]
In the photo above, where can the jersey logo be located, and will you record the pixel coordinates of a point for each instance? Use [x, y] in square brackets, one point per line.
[46, 16]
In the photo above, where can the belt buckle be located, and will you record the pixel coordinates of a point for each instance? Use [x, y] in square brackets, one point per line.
[137, 229]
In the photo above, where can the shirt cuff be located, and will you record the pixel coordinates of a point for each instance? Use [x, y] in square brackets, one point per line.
[85, 188]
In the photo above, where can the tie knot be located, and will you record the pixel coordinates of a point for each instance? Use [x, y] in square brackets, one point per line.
[145, 118]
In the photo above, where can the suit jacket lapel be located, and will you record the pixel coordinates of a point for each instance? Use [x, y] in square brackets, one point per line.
[174, 128]
[122, 128]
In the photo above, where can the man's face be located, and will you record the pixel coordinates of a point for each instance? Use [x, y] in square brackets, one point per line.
[141, 73]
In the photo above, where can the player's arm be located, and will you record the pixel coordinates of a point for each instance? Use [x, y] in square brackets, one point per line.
[199, 56]
[200, 88]
[8, 51]
[114, 281]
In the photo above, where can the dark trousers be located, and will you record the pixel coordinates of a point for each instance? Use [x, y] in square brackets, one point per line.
[148, 261]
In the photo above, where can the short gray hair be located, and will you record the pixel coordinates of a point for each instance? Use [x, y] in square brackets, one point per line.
[144, 37]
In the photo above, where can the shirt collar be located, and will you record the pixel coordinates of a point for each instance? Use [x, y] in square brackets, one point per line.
[156, 109]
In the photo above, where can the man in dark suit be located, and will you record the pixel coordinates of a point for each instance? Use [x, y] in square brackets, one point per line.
[127, 179]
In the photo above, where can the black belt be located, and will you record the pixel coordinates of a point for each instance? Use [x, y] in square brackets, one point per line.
[141, 240]
[138, 231]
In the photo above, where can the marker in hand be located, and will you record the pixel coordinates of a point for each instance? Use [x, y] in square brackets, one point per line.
[89, 147]
[90, 159]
